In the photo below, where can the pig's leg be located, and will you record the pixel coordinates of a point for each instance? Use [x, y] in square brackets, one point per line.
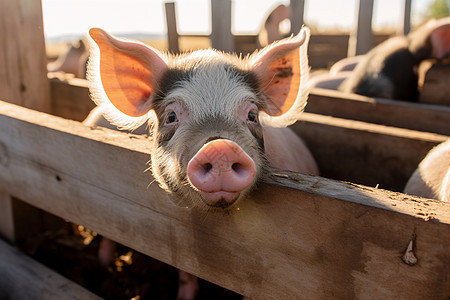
[187, 286]
[285, 150]
[106, 252]
[96, 118]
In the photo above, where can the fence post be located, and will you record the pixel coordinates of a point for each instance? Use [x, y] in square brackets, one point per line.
[406, 26]
[23, 81]
[172, 30]
[297, 12]
[361, 39]
[23, 65]
[221, 36]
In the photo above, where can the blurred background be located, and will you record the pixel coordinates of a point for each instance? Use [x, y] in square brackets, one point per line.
[66, 19]
[331, 22]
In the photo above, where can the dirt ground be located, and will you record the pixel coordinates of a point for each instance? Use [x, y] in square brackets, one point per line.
[72, 252]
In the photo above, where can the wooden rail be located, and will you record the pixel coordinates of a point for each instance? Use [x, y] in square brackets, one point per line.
[24, 278]
[417, 116]
[296, 235]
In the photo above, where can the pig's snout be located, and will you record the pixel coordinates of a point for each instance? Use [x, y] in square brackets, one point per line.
[221, 170]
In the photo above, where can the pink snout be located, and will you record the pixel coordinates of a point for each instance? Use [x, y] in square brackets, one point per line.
[221, 170]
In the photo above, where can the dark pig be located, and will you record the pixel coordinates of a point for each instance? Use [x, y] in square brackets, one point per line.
[390, 69]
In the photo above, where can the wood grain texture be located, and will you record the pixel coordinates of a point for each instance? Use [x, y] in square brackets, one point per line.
[416, 116]
[70, 98]
[296, 236]
[24, 278]
[23, 62]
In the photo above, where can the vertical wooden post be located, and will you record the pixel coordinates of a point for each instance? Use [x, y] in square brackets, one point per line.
[406, 26]
[297, 13]
[172, 31]
[221, 36]
[23, 62]
[361, 39]
[23, 81]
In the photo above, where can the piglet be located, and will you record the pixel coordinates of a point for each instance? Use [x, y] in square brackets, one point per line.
[216, 121]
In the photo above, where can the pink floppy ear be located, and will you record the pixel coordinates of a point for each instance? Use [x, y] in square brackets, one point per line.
[282, 69]
[124, 74]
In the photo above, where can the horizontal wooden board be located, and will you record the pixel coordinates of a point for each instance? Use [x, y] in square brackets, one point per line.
[296, 235]
[24, 278]
[365, 153]
[417, 116]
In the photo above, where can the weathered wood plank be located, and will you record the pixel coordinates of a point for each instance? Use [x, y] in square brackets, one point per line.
[365, 153]
[296, 235]
[70, 98]
[24, 278]
[23, 63]
[417, 116]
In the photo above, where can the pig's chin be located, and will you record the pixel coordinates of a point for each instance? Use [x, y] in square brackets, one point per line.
[220, 199]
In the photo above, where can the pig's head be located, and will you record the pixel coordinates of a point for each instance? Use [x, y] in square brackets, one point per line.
[206, 109]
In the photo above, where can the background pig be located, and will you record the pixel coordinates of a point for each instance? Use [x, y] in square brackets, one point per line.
[390, 69]
[432, 178]
[73, 61]
[212, 116]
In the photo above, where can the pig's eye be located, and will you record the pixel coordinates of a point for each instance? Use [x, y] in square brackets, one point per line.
[171, 118]
[252, 116]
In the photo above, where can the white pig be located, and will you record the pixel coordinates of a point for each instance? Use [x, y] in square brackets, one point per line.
[212, 116]
[432, 178]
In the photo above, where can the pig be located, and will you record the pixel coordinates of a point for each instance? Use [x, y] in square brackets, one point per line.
[216, 121]
[432, 177]
[73, 61]
[390, 69]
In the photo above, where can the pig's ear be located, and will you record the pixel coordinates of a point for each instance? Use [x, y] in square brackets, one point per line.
[282, 70]
[123, 76]
[431, 40]
[440, 39]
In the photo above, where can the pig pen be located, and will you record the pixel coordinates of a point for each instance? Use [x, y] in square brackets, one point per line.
[347, 234]
[296, 235]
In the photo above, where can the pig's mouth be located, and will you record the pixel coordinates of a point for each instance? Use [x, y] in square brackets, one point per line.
[220, 199]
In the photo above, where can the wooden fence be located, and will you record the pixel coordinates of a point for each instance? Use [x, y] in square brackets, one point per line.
[296, 235]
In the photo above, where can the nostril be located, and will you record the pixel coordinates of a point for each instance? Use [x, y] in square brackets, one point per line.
[236, 167]
[207, 167]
